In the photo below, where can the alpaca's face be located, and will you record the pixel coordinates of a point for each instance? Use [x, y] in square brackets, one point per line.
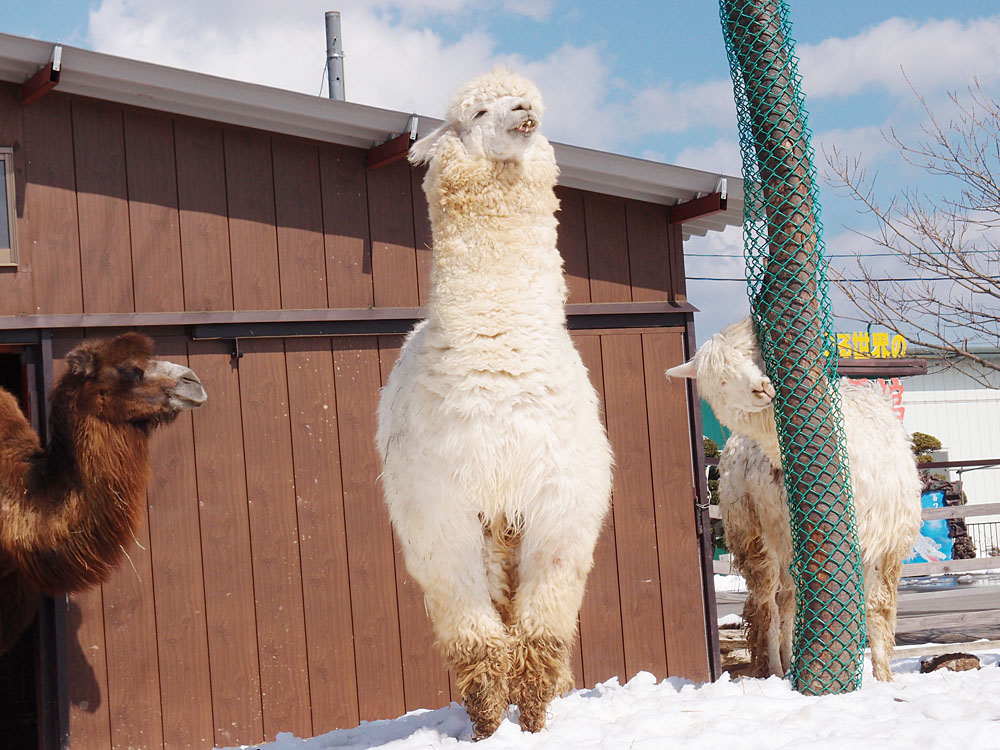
[494, 116]
[730, 371]
[118, 382]
[501, 129]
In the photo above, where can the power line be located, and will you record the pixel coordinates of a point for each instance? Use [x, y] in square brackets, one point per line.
[838, 255]
[855, 281]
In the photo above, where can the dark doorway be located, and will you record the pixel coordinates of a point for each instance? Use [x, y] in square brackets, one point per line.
[18, 704]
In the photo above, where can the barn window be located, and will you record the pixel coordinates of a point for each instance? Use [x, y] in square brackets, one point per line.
[8, 215]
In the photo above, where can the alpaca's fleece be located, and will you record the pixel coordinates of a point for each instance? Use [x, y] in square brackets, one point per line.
[496, 468]
[753, 501]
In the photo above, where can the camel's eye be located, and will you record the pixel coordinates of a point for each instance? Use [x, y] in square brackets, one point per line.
[479, 114]
[131, 374]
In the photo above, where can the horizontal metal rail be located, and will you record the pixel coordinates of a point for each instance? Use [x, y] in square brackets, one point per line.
[228, 324]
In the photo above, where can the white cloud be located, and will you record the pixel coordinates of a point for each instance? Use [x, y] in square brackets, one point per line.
[575, 82]
[392, 59]
[537, 10]
[386, 63]
[674, 109]
[867, 142]
[398, 57]
[721, 156]
[934, 54]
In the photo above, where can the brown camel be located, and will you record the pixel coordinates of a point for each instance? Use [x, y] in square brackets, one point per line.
[67, 512]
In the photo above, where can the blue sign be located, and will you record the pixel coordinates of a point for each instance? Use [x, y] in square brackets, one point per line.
[933, 543]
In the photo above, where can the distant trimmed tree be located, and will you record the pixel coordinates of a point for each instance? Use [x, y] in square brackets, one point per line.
[923, 444]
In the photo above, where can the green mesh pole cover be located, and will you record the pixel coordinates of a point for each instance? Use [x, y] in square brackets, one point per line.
[786, 274]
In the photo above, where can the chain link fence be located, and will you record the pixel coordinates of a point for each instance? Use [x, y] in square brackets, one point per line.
[786, 274]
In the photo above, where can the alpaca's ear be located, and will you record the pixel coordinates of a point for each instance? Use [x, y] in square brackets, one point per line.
[423, 150]
[82, 362]
[686, 370]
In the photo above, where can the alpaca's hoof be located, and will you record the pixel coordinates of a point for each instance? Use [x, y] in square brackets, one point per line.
[533, 716]
[485, 716]
[884, 674]
[481, 672]
[483, 730]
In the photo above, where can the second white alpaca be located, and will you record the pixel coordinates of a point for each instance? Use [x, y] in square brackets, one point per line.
[730, 375]
[496, 467]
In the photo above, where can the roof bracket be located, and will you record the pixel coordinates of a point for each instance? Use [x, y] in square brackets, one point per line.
[45, 78]
[702, 206]
[722, 186]
[394, 149]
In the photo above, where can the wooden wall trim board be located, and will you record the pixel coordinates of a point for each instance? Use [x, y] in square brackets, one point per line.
[707, 547]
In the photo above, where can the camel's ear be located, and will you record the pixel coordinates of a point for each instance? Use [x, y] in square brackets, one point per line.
[686, 370]
[423, 150]
[82, 361]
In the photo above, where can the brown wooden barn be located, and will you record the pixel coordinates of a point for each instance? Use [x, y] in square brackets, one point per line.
[254, 234]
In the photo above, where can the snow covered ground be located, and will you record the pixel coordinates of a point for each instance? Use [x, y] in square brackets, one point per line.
[943, 709]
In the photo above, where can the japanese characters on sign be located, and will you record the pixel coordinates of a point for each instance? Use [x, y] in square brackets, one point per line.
[877, 345]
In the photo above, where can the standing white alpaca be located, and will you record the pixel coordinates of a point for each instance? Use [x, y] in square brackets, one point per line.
[730, 374]
[496, 467]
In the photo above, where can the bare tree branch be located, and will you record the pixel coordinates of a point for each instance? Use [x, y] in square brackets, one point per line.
[951, 243]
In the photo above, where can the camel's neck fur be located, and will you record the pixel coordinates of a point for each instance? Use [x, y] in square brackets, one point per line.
[70, 511]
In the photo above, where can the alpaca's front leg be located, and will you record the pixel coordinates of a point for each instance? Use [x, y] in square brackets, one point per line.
[552, 573]
[447, 561]
[476, 647]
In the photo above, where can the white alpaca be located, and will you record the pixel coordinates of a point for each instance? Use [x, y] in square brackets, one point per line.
[884, 478]
[496, 467]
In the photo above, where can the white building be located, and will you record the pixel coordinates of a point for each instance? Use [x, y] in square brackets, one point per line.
[965, 416]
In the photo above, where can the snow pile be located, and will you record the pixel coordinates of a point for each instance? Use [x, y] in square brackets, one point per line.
[732, 584]
[940, 710]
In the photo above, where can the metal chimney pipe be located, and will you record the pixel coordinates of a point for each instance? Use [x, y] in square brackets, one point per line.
[334, 55]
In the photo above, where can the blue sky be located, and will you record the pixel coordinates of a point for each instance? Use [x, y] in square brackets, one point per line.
[648, 79]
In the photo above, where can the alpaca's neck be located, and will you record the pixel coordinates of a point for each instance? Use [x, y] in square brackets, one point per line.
[760, 427]
[495, 261]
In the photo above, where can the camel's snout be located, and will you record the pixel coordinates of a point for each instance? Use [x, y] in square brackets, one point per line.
[182, 388]
[189, 391]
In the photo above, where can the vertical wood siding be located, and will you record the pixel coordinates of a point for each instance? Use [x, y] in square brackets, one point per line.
[267, 592]
[152, 212]
[305, 619]
[50, 208]
[250, 201]
[127, 210]
[179, 587]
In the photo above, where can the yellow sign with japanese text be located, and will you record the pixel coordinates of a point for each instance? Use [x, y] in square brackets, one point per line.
[877, 345]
